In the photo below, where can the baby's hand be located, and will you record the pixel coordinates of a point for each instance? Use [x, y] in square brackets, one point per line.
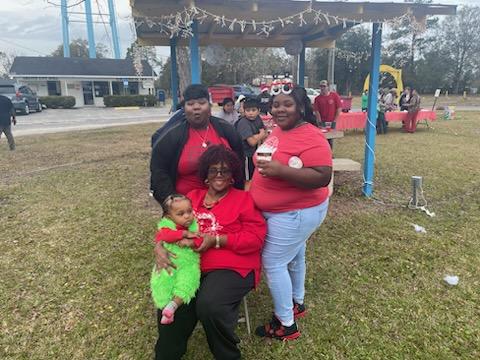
[186, 243]
[189, 235]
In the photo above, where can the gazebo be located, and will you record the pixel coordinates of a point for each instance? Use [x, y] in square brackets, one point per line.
[293, 24]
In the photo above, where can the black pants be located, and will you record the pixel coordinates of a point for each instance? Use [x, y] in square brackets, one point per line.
[216, 306]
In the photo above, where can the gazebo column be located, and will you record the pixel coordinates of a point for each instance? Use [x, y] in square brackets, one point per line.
[331, 65]
[195, 54]
[174, 72]
[301, 68]
[370, 128]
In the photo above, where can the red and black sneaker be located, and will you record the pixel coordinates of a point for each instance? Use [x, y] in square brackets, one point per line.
[275, 330]
[299, 310]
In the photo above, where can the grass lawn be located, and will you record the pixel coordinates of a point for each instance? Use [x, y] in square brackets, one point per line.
[76, 252]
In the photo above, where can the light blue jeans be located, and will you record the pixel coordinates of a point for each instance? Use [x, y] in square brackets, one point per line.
[283, 256]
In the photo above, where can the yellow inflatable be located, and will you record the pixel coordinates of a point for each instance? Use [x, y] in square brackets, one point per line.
[397, 76]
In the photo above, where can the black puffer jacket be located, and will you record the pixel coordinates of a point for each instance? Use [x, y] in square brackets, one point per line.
[168, 148]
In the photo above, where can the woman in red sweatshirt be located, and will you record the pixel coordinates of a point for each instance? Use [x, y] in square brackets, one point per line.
[233, 232]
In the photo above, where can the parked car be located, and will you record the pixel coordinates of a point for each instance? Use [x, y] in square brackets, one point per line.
[243, 90]
[23, 98]
[312, 94]
[220, 92]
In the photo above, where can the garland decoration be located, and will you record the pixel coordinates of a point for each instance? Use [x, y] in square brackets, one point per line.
[180, 24]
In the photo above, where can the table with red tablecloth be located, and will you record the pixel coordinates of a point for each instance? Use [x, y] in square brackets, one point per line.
[351, 120]
[428, 115]
[357, 120]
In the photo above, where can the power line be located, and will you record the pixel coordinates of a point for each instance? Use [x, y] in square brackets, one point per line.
[78, 2]
[24, 47]
[100, 10]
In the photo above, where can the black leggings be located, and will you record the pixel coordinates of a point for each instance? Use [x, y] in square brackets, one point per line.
[216, 306]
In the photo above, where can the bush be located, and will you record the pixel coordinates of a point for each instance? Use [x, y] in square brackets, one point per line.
[55, 102]
[129, 100]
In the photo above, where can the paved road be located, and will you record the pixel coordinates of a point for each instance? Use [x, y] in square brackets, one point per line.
[62, 120]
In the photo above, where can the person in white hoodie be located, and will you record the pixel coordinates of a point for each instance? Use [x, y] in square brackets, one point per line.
[228, 112]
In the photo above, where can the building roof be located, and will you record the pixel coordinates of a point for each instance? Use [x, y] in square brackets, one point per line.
[60, 66]
[318, 31]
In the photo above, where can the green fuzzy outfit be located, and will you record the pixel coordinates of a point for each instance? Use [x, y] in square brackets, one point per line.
[185, 279]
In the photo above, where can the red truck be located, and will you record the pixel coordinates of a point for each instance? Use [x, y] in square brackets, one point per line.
[220, 92]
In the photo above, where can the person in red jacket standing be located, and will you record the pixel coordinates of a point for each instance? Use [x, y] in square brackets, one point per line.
[233, 232]
[327, 107]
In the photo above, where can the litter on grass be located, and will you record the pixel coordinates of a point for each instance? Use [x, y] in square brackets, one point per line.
[419, 229]
[451, 280]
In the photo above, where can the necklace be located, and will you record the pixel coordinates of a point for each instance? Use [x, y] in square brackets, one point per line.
[203, 138]
[209, 205]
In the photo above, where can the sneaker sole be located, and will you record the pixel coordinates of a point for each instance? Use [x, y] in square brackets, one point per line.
[300, 315]
[293, 336]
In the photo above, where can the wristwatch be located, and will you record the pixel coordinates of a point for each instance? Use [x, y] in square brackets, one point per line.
[217, 241]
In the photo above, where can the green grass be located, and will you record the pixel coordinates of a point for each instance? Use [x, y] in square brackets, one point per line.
[75, 252]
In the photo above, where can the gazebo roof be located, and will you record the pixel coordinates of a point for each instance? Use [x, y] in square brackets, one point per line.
[325, 22]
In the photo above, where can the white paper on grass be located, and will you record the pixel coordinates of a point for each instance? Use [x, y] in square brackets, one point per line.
[451, 279]
[419, 229]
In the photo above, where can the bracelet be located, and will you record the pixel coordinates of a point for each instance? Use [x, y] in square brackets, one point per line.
[217, 241]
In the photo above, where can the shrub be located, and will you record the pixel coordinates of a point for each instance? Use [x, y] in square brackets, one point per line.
[129, 100]
[55, 102]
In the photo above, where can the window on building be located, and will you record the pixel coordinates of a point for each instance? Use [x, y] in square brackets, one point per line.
[101, 88]
[133, 87]
[117, 88]
[54, 88]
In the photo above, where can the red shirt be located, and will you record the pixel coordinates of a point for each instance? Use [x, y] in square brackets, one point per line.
[187, 170]
[237, 217]
[172, 236]
[327, 105]
[305, 142]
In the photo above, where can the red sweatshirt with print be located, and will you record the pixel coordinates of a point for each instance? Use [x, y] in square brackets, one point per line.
[237, 217]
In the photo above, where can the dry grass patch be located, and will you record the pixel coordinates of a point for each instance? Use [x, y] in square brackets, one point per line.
[75, 253]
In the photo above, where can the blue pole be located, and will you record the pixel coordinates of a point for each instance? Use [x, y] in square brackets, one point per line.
[195, 54]
[301, 68]
[66, 36]
[92, 53]
[174, 72]
[113, 26]
[370, 128]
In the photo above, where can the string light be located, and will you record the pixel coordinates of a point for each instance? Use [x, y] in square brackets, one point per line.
[179, 24]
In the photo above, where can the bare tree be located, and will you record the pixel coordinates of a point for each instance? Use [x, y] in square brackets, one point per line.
[460, 39]
[6, 61]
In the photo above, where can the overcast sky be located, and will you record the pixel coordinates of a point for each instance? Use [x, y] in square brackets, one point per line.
[33, 27]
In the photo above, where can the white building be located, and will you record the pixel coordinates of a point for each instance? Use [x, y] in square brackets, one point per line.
[88, 80]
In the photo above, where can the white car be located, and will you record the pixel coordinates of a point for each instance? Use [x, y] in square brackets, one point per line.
[312, 94]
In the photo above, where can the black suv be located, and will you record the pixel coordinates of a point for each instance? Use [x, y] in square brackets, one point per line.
[23, 98]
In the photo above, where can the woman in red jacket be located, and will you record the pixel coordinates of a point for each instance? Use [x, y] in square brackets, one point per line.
[233, 232]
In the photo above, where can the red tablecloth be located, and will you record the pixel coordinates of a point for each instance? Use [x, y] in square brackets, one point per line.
[351, 120]
[402, 115]
[357, 120]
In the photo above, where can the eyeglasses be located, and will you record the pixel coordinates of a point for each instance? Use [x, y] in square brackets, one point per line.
[212, 172]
